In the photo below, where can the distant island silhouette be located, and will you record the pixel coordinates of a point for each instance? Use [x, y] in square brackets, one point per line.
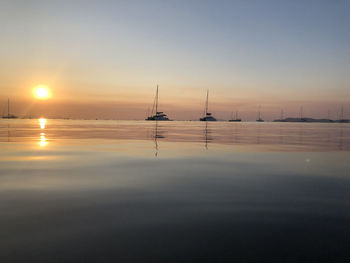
[312, 120]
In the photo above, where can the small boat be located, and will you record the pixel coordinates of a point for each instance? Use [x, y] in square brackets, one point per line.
[259, 116]
[9, 115]
[159, 116]
[236, 118]
[207, 115]
[281, 119]
[341, 116]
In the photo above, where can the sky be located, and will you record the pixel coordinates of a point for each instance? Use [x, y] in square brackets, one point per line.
[103, 59]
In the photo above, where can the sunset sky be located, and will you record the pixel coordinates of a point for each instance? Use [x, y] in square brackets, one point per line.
[103, 59]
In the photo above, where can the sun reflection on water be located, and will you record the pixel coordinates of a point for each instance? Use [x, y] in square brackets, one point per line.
[42, 122]
[43, 141]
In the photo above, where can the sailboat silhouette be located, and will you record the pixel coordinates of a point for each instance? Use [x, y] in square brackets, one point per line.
[207, 115]
[9, 115]
[159, 116]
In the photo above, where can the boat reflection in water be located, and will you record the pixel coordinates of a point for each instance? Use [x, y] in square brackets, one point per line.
[207, 135]
[157, 135]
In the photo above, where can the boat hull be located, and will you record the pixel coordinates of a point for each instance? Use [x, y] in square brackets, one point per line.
[9, 117]
[207, 119]
[157, 119]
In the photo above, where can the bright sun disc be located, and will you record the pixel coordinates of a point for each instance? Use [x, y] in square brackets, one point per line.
[42, 92]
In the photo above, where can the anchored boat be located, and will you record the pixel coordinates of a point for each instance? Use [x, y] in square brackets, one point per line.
[9, 115]
[236, 119]
[207, 115]
[259, 116]
[159, 116]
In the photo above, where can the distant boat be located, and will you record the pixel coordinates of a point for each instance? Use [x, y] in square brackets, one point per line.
[236, 119]
[281, 119]
[259, 116]
[9, 115]
[159, 116]
[341, 117]
[307, 120]
[207, 115]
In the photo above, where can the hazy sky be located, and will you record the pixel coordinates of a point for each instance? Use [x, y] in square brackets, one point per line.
[105, 58]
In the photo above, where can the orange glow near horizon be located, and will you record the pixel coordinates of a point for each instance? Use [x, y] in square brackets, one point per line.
[42, 92]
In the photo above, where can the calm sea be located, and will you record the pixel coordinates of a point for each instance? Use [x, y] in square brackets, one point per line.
[134, 191]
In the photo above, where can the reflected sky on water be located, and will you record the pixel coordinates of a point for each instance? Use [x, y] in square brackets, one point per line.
[133, 191]
[267, 136]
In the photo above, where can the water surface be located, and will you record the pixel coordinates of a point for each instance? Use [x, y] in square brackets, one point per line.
[134, 191]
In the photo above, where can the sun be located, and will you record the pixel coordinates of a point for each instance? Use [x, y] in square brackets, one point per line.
[42, 92]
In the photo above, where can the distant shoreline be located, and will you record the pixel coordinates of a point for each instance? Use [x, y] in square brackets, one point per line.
[308, 120]
[289, 120]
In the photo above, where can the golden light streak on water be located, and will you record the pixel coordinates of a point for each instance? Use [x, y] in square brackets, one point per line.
[42, 122]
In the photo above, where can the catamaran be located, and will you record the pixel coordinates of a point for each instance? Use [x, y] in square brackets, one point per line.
[236, 119]
[259, 116]
[9, 115]
[207, 115]
[159, 116]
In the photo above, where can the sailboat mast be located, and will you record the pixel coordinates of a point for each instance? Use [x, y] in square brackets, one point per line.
[206, 104]
[157, 101]
[8, 107]
[342, 113]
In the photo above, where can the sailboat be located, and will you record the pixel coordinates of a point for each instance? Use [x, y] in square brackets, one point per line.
[9, 115]
[259, 116]
[281, 119]
[159, 116]
[341, 115]
[236, 118]
[207, 115]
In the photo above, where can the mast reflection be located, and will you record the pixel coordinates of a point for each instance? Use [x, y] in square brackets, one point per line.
[340, 144]
[8, 132]
[157, 135]
[207, 137]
